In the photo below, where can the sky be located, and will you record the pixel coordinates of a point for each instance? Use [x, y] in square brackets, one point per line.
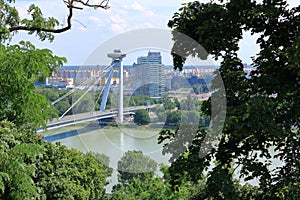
[92, 28]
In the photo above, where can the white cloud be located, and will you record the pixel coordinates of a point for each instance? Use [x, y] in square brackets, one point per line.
[137, 6]
[118, 28]
[96, 20]
[118, 23]
[117, 19]
[149, 13]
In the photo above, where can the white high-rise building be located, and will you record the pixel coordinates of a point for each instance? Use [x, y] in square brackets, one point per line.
[149, 75]
[151, 58]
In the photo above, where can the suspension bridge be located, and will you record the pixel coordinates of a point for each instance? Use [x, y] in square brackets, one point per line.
[66, 120]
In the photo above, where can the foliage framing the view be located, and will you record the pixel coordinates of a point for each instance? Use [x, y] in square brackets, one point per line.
[22, 64]
[33, 168]
[262, 122]
[44, 28]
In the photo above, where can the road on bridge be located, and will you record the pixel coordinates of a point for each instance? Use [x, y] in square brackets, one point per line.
[90, 116]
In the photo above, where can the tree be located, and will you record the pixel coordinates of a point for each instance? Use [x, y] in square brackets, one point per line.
[190, 103]
[31, 168]
[190, 117]
[151, 188]
[134, 164]
[22, 64]
[158, 188]
[51, 94]
[85, 103]
[141, 117]
[160, 113]
[168, 104]
[177, 103]
[173, 117]
[42, 27]
[104, 159]
[260, 108]
[61, 107]
[139, 100]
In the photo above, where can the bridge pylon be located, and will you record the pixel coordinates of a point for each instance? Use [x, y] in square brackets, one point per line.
[117, 58]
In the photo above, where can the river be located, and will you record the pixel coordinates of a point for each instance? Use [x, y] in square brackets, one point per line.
[112, 141]
[115, 141]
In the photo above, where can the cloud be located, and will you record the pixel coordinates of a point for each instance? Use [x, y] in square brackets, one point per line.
[101, 24]
[137, 6]
[119, 28]
[149, 13]
[117, 19]
[118, 23]
[96, 20]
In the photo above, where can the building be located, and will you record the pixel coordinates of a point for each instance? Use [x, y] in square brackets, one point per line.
[148, 76]
[79, 74]
[151, 58]
[193, 80]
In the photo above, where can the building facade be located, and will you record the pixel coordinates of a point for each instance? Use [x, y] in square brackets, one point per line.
[79, 74]
[151, 58]
[149, 75]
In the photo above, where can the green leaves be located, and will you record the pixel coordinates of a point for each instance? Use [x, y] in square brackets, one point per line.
[263, 109]
[11, 22]
[208, 24]
[142, 117]
[16, 164]
[134, 164]
[4, 179]
[44, 28]
[21, 66]
[151, 189]
[33, 169]
[38, 23]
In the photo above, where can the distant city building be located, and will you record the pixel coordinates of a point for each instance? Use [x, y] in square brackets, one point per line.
[149, 75]
[151, 58]
[79, 74]
[193, 80]
[178, 82]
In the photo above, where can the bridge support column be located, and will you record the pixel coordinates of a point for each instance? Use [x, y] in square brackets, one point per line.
[117, 57]
[120, 100]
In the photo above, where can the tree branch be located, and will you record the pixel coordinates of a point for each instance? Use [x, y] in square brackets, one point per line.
[103, 4]
[71, 5]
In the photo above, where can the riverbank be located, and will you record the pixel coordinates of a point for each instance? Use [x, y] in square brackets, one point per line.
[112, 141]
[81, 128]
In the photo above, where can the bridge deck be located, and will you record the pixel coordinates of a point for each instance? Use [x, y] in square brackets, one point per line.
[90, 116]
